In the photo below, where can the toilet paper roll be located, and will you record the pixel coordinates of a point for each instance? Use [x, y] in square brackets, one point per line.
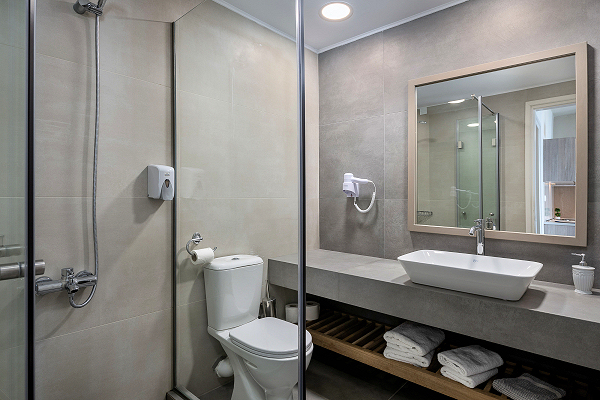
[291, 313]
[312, 311]
[202, 256]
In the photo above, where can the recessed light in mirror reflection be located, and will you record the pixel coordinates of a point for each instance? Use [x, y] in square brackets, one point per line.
[473, 125]
[456, 101]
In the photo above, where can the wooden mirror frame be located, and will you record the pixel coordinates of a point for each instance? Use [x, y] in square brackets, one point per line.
[581, 198]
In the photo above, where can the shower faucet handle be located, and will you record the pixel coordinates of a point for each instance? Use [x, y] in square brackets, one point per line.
[66, 273]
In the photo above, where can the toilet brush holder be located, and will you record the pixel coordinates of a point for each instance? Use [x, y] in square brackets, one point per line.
[269, 308]
[268, 304]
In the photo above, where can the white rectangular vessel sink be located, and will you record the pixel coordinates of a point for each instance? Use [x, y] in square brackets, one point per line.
[502, 278]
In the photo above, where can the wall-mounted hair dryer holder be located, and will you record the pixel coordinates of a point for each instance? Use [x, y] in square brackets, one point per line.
[351, 188]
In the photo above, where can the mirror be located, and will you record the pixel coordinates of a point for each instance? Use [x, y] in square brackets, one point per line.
[505, 142]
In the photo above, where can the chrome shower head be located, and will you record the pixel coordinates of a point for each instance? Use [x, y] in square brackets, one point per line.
[81, 6]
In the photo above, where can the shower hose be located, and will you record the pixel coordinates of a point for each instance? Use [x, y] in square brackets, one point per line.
[95, 179]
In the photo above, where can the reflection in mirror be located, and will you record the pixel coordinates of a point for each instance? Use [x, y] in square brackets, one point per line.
[522, 131]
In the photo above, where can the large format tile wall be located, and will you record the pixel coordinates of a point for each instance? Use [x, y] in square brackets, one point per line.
[119, 346]
[237, 160]
[363, 119]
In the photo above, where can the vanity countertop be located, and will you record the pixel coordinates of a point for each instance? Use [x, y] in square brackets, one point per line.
[550, 319]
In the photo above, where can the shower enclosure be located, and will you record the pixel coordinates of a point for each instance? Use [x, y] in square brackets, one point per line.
[16, 194]
[475, 158]
[464, 134]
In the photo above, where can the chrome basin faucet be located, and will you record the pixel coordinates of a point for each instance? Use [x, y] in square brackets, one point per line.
[480, 231]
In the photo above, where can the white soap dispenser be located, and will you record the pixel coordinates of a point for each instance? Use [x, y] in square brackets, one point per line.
[161, 182]
[583, 276]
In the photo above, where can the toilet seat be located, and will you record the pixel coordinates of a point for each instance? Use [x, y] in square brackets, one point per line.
[269, 337]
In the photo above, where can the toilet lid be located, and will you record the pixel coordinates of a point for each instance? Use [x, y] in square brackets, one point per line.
[269, 337]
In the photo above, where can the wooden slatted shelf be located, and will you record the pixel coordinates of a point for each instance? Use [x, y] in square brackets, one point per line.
[362, 340]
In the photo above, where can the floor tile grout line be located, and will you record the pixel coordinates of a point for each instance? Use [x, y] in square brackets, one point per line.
[399, 389]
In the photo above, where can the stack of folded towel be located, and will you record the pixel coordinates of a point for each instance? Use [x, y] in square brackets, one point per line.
[528, 387]
[471, 365]
[412, 343]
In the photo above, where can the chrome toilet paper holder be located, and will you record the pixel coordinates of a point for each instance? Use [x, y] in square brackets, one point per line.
[196, 239]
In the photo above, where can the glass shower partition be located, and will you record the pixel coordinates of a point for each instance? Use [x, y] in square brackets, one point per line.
[14, 130]
[236, 159]
[468, 169]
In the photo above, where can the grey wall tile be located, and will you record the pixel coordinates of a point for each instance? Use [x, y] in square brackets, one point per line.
[432, 45]
[356, 147]
[351, 81]
[130, 358]
[397, 238]
[396, 150]
[343, 228]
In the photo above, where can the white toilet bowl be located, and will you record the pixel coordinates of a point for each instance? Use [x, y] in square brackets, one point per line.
[264, 357]
[263, 352]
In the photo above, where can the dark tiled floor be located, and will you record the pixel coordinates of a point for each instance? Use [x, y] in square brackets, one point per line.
[334, 377]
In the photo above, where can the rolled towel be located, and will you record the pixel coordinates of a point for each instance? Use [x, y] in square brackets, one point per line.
[470, 360]
[418, 339]
[469, 381]
[528, 387]
[396, 353]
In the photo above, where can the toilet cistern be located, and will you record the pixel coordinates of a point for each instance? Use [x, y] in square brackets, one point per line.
[479, 230]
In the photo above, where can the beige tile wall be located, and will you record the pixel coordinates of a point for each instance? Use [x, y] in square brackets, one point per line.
[237, 160]
[119, 346]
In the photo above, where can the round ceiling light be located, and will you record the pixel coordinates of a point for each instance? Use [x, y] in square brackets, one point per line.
[336, 11]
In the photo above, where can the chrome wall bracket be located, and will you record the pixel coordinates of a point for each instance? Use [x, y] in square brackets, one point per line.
[196, 239]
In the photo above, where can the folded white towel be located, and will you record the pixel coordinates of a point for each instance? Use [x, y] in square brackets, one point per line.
[396, 353]
[469, 381]
[419, 339]
[528, 387]
[470, 360]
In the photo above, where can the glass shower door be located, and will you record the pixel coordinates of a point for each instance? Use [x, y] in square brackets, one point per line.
[13, 139]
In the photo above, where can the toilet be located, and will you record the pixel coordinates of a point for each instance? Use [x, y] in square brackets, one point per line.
[263, 352]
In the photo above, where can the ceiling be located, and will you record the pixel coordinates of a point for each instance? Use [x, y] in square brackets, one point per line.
[370, 16]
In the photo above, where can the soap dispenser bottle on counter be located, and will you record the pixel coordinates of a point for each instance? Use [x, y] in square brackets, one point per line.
[583, 276]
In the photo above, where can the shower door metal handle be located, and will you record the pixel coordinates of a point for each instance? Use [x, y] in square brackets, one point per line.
[17, 270]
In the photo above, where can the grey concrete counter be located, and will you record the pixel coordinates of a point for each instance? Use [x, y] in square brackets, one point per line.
[550, 319]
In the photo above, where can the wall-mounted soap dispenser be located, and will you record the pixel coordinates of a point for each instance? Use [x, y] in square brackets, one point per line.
[161, 182]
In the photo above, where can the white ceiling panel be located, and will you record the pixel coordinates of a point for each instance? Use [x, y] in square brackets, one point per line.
[369, 16]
